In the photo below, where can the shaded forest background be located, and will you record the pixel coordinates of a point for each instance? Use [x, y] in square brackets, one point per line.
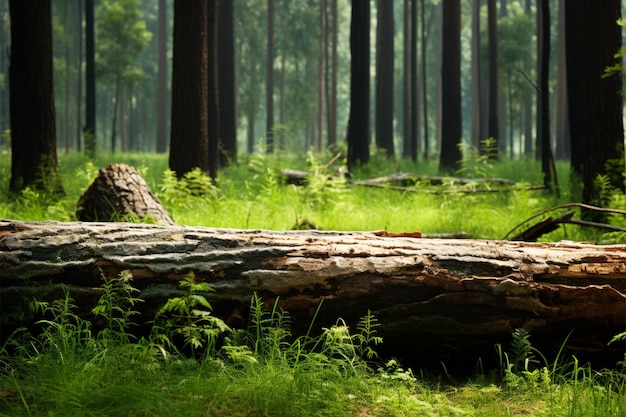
[292, 75]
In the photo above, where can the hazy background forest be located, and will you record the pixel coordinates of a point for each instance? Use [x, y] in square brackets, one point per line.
[296, 60]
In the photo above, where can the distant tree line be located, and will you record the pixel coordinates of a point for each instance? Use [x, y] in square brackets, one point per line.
[198, 77]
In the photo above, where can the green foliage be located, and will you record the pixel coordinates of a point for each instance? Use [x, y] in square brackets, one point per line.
[115, 307]
[122, 35]
[190, 316]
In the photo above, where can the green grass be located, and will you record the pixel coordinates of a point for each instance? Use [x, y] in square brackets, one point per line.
[252, 195]
[192, 365]
[68, 368]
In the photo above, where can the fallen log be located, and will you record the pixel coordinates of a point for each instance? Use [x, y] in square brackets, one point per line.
[436, 299]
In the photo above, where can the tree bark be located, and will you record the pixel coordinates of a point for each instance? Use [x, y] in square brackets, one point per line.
[269, 80]
[31, 90]
[493, 124]
[90, 81]
[358, 136]
[161, 143]
[189, 127]
[384, 77]
[451, 124]
[436, 299]
[227, 91]
[119, 190]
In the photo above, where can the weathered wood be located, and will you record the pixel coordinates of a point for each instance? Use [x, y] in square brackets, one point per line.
[436, 299]
[119, 190]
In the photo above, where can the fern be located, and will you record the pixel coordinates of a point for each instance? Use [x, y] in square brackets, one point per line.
[189, 317]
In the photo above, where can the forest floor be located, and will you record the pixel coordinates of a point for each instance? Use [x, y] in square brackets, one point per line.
[191, 365]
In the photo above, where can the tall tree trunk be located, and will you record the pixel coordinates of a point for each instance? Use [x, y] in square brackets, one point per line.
[359, 119]
[384, 77]
[415, 133]
[66, 34]
[603, 100]
[90, 82]
[332, 102]
[451, 126]
[477, 135]
[424, 83]
[116, 99]
[407, 150]
[161, 145]
[251, 110]
[79, 76]
[321, 77]
[574, 18]
[269, 79]
[213, 98]
[227, 92]
[189, 136]
[528, 106]
[562, 127]
[493, 124]
[543, 108]
[31, 89]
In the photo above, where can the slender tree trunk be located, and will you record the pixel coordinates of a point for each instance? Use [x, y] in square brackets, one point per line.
[269, 79]
[68, 131]
[332, 106]
[227, 91]
[528, 106]
[251, 111]
[161, 145]
[90, 82]
[477, 135]
[384, 77]
[31, 89]
[79, 76]
[407, 151]
[116, 100]
[493, 124]
[451, 126]
[424, 83]
[574, 18]
[359, 121]
[189, 127]
[213, 98]
[321, 77]
[436, 10]
[543, 21]
[283, 71]
[415, 133]
[562, 127]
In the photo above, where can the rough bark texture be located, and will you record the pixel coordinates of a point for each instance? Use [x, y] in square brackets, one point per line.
[436, 299]
[31, 91]
[119, 190]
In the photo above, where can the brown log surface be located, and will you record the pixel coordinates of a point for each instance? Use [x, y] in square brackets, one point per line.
[119, 190]
[440, 297]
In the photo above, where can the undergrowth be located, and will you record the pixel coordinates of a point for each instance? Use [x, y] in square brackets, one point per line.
[192, 364]
[254, 195]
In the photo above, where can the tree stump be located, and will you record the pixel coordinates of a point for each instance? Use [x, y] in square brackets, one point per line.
[436, 299]
[117, 191]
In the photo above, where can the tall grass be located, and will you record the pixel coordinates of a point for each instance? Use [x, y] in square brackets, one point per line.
[72, 368]
[253, 195]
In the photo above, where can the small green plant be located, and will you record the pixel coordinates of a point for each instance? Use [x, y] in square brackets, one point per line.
[64, 332]
[190, 317]
[479, 162]
[115, 307]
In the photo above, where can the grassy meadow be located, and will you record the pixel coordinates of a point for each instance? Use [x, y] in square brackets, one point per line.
[192, 364]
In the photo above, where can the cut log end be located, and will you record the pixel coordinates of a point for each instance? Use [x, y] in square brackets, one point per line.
[119, 192]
